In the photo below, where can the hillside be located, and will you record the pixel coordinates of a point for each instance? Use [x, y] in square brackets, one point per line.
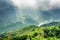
[34, 33]
[12, 27]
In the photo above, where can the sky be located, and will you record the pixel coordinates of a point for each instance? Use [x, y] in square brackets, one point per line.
[7, 12]
[38, 11]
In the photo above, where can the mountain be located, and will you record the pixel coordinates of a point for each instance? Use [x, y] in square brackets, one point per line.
[20, 25]
[51, 24]
[12, 27]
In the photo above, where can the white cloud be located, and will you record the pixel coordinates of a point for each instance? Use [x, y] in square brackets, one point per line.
[17, 2]
[54, 3]
[20, 3]
[45, 4]
[41, 4]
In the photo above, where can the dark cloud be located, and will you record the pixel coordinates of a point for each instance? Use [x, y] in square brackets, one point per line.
[7, 12]
[53, 13]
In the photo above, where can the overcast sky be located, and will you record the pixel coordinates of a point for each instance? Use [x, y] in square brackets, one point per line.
[46, 8]
[38, 10]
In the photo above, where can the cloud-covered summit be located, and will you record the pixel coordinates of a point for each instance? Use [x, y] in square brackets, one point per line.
[28, 12]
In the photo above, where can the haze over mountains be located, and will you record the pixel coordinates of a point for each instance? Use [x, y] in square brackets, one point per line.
[28, 12]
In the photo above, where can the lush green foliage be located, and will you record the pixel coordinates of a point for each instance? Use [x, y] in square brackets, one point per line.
[52, 32]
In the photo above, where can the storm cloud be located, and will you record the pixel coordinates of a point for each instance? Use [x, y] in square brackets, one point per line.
[37, 11]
